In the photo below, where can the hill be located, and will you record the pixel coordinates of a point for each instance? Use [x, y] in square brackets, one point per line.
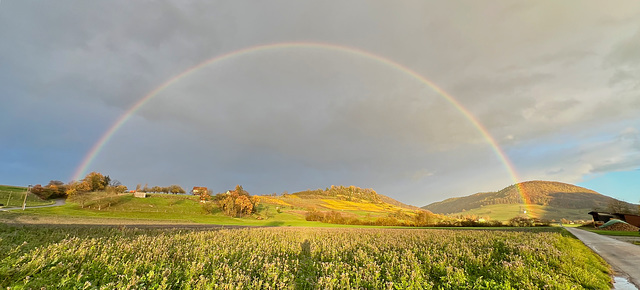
[342, 205]
[350, 202]
[547, 200]
[13, 196]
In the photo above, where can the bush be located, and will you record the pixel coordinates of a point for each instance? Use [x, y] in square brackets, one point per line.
[208, 207]
[529, 222]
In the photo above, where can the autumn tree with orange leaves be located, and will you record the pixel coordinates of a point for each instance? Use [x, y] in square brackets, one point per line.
[237, 203]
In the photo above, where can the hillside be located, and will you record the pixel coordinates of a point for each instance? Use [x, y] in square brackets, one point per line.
[13, 196]
[350, 205]
[548, 200]
[350, 201]
[334, 205]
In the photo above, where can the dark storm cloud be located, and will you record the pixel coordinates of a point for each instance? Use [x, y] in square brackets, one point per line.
[547, 79]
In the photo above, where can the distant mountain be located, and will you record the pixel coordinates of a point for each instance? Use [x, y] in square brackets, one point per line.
[544, 196]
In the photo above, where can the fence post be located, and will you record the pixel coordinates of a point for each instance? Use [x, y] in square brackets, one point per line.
[24, 203]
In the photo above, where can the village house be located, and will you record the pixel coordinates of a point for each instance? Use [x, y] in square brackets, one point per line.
[202, 191]
[199, 190]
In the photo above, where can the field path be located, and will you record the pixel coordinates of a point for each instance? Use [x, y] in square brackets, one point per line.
[622, 256]
[59, 202]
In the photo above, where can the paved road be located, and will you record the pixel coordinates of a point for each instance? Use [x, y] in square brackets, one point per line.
[622, 256]
[59, 202]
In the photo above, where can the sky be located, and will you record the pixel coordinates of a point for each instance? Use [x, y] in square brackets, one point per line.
[303, 95]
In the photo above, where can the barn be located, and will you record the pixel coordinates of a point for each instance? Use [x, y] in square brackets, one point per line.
[603, 217]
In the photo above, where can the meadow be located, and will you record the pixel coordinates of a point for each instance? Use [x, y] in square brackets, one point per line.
[13, 196]
[101, 208]
[504, 212]
[295, 258]
[171, 208]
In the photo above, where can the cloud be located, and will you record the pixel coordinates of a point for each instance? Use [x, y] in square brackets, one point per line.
[572, 162]
[549, 82]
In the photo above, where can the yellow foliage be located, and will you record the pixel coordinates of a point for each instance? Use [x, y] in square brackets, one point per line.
[350, 205]
[273, 200]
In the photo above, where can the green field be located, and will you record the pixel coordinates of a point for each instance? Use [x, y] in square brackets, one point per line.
[504, 212]
[295, 258]
[613, 233]
[156, 208]
[171, 208]
[14, 196]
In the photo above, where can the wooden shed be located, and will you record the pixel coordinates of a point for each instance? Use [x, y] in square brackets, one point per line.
[140, 194]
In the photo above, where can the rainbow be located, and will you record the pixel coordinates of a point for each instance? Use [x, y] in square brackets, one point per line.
[104, 139]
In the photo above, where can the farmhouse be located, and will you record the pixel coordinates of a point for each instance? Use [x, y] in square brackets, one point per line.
[199, 190]
[603, 217]
[140, 194]
[203, 192]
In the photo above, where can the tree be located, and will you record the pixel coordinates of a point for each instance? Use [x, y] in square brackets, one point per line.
[618, 206]
[121, 188]
[115, 183]
[174, 188]
[78, 191]
[96, 181]
[423, 218]
[56, 182]
[203, 192]
[37, 190]
[239, 190]
[237, 202]
[521, 222]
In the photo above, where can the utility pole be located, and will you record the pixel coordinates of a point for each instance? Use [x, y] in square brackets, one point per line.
[24, 203]
[9, 199]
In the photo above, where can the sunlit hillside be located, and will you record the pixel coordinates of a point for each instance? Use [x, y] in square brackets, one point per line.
[334, 205]
[349, 201]
[547, 200]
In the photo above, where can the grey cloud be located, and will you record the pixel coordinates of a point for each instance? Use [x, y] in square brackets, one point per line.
[531, 72]
[626, 52]
[550, 110]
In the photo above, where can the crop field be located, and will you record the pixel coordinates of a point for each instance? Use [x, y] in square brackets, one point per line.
[295, 258]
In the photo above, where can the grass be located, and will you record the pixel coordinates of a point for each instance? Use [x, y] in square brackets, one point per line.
[13, 196]
[571, 225]
[295, 258]
[613, 233]
[504, 212]
[157, 208]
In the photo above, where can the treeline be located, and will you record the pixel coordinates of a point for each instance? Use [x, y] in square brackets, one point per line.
[420, 219]
[344, 192]
[93, 181]
[174, 188]
[399, 218]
